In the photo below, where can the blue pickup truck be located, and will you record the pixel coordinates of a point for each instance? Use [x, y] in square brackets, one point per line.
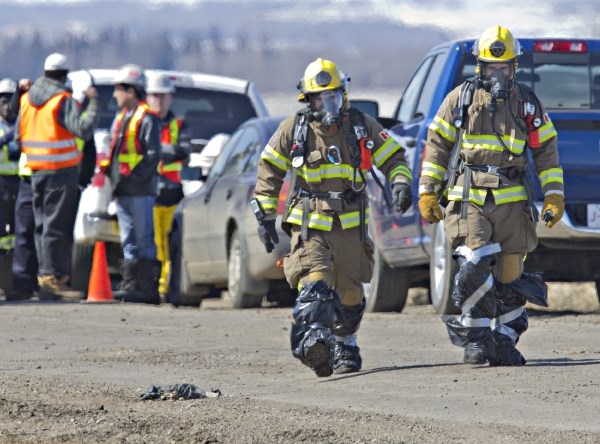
[565, 74]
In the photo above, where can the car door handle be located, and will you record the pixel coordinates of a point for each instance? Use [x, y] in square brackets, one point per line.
[229, 193]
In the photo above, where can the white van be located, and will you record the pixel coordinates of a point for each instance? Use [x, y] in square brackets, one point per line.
[208, 104]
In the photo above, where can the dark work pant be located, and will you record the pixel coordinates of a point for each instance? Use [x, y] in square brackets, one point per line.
[9, 187]
[55, 202]
[25, 263]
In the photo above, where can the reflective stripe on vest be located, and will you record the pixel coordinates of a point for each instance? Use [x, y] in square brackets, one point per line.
[48, 145]
[169, 136]
[130, 151]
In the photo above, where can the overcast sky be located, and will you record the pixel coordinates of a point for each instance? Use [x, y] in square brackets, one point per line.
[459, 18]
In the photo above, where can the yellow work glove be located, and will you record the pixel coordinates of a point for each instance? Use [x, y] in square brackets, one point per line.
[430, 208]
[553, 210]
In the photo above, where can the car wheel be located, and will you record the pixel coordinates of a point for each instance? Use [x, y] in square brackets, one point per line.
[6, 260]
[81, 266]
[179, 293]
[598, 289]
[244, 291]
[388, 289]
[442, 269]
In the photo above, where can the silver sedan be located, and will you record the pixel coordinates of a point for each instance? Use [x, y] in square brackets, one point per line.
[214, 244]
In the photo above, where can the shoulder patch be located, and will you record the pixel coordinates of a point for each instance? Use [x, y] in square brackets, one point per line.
[384, 135]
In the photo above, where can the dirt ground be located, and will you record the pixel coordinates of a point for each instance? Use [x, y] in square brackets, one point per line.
[74, 373]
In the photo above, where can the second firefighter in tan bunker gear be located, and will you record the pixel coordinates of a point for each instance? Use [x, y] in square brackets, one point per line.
[490, 219]
[329, 148]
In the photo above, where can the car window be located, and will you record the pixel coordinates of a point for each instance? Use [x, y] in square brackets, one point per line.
[205, 112]
[245, 146]
[221, 161]
[410, 97]
[430, 85]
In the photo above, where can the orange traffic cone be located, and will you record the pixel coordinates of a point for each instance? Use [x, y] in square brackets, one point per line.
[99, 289]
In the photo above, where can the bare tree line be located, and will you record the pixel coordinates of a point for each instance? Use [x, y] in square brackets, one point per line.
[272, 64]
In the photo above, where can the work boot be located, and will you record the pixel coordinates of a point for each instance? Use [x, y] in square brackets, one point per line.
[506, 352]
[316, 357]
[53, 289]
[140, 282]
[346, 358]
[15, 295]
[475, 354]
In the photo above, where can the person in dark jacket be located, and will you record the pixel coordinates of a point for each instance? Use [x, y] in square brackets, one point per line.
[135, 153]
[175, 152]
[54, 159]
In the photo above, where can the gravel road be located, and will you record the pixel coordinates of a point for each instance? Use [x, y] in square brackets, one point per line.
[73, 373]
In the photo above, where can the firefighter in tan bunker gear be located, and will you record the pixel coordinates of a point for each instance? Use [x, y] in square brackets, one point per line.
[490, 219]
[329, 147]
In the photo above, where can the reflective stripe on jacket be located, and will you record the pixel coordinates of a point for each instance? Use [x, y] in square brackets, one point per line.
[319, 174]
[130, 151]
[170, 136]
[491, 139]
[47, 144]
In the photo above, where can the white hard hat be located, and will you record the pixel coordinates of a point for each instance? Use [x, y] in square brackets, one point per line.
[159, 83]
[131, 75]
[56, 62]
[8, 86]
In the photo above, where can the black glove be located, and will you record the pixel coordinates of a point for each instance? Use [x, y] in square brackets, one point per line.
[14, 153]
[402, 196]
[268, 233]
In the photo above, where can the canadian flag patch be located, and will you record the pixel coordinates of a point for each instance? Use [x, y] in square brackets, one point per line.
[384, 135]
[546, 117]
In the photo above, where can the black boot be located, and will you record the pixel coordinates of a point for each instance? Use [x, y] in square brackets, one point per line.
[315, 313]
[128, 287]
[346, 353]
[148, 276]
[346, 358]
[317, 352]
[506, 352]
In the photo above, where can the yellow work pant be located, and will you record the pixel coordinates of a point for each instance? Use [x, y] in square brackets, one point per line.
[163, 217]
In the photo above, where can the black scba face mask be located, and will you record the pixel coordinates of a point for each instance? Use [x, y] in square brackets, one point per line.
[497, 84]
[328, 113]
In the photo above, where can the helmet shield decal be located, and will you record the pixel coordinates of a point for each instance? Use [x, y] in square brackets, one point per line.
[497, 49]
[323, 78]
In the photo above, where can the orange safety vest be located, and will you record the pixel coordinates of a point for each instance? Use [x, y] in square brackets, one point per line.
[170, 135]
[130, 151]
[47, 144]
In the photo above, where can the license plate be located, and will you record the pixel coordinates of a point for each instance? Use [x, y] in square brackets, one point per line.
[593, 215]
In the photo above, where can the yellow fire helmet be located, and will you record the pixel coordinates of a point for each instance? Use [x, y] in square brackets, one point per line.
[321, 75]
[496, 45]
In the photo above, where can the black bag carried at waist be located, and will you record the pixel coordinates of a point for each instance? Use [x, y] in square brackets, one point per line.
[169, 192]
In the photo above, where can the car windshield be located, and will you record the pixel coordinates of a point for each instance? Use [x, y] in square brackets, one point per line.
[561, 81]
[205, 112]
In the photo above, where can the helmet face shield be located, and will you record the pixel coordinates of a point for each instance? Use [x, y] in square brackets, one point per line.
[328, 105]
